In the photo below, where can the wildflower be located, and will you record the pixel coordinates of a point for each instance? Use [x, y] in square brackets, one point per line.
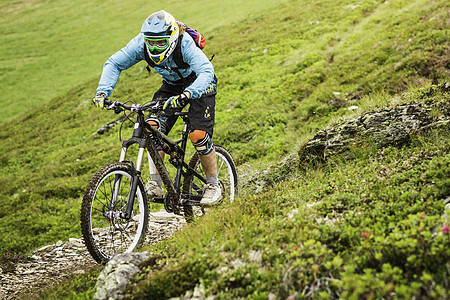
[315, 268]
[365, 234]
[446, 229]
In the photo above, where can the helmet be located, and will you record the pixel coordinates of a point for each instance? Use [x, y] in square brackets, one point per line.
[161, 33]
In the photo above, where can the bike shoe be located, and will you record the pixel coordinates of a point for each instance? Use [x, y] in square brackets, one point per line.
[153, 190]
[212, 195]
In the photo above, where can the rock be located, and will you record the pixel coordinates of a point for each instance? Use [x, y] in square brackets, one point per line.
[105, 128]
[76, 242]
[389, 127]
[45, 248]
[255, 257]
[113, 279]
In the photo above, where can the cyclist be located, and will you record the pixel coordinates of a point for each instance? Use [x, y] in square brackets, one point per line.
[161, 42]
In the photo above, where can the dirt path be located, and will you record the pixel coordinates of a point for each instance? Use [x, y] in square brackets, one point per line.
[52, 264]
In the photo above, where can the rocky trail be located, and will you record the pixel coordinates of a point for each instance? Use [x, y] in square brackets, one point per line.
[52, 264]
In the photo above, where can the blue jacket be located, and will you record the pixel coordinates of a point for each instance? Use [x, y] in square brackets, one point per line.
[133, 53]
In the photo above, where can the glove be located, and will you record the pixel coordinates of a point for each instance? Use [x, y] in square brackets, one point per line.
[176, 101]
[99, 100]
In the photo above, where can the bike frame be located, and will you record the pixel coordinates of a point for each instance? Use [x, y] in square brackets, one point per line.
[145, 136]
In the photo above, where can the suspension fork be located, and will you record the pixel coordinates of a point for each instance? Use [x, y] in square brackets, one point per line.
[117, 182]
[134, 185]
[136, 174]
[136, 169]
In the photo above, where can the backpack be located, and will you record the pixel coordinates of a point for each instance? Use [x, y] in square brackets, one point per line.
[196, 36]
[199, 41]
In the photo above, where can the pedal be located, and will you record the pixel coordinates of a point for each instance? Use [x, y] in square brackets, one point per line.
[192, 200]
[157, 200]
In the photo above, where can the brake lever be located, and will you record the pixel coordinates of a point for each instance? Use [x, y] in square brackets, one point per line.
[156, 106]
[117, 108]
[135, 107]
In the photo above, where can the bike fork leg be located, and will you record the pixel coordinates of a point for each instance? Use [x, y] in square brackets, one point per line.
[134, 185]
[131, 197]
[115, 191]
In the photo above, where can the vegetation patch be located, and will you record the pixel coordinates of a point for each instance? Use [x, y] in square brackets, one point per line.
[76, 287]
[366, 227]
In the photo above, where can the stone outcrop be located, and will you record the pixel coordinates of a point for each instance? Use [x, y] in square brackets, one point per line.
[45, 267]
[388, 127]
[107, 127]
[121, 269]
[393, 126]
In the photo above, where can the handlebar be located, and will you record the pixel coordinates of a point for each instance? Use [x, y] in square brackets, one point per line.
[119, 106]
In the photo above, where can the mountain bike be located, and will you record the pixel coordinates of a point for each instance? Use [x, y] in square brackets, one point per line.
[115, 206]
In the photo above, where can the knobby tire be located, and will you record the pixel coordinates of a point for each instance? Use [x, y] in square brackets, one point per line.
[103, 236]
[192, 185]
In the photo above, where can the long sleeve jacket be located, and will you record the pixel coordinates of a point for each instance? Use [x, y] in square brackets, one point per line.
[133, 53]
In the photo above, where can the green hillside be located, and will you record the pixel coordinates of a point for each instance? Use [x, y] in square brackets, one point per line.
[286, 69]
[49, 47]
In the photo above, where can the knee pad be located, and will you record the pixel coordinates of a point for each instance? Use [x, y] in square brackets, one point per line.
[153, 122]
[201, 141]
[156, 124]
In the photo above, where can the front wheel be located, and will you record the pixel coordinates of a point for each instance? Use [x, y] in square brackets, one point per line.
[104, 229]
[226, 173]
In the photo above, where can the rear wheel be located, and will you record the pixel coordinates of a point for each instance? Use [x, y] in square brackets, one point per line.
[104, 229]
[226, 173]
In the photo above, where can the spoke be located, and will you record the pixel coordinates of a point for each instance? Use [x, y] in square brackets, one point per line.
[111, 230]
[126, 236]
[103, 193]
[109, 200]
[220, 168]
[98, 210]
[102, 223]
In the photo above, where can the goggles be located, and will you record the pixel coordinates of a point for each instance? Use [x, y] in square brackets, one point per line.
[156, 44]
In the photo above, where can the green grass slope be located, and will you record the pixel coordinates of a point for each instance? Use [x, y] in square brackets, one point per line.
[48, 47]
[46, 166]
[368, 228]
[367, 224]
[277, 84]
[284, 73]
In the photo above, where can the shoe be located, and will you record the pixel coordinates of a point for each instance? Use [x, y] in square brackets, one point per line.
[153, 190]
[212, 195]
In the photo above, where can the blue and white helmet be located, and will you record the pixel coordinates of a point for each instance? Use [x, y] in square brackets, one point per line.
[161, 33]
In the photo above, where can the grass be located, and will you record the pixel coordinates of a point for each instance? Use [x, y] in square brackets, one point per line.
[75, 287]
[370, 227]
[47, 48]
[278, 85]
